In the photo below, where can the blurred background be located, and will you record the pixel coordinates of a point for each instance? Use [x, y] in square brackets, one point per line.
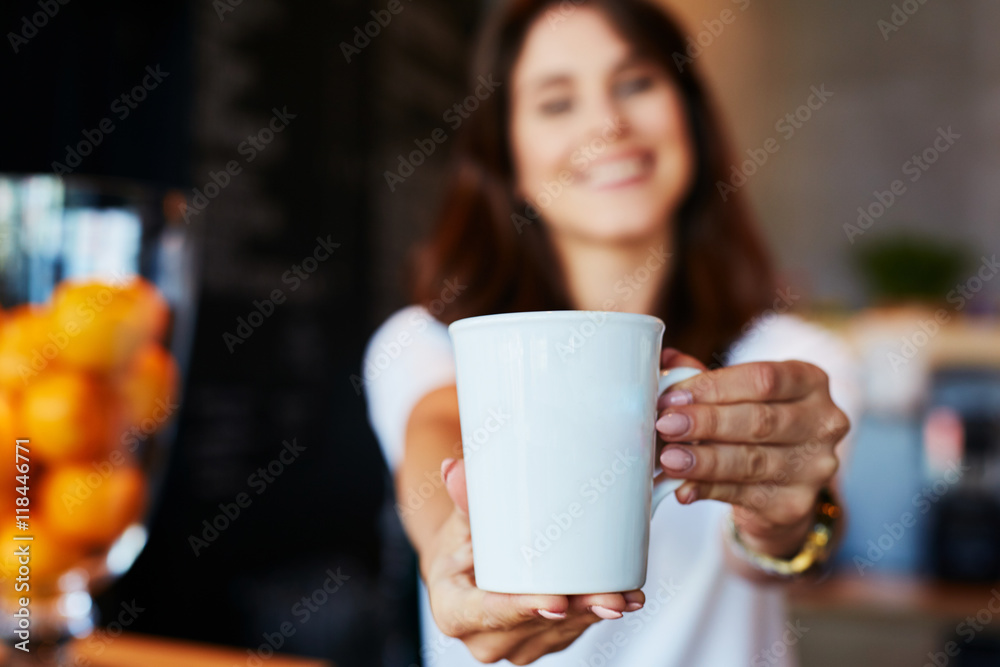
[277, 122]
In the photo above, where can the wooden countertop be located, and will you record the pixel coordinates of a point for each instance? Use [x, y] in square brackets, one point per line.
[131, 650]
[893, 595]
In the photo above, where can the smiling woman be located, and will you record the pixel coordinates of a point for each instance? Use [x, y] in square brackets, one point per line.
[596, 131]
[588, 182]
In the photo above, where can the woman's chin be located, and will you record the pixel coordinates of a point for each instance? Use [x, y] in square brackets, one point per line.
[616, 228]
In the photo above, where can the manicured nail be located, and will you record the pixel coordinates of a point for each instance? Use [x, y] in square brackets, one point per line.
[446, 467]
[678, 397]
[633, 606]
[605, 613]
[673, 423]
[676, 459]
[551, 615]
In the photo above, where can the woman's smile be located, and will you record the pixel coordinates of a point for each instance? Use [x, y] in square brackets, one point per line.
[619, 171]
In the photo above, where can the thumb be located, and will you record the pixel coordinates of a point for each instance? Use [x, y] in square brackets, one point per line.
[673, 358]
[453, 474]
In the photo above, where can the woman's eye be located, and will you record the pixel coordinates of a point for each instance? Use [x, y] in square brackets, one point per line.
[634, 85]
[557, 106]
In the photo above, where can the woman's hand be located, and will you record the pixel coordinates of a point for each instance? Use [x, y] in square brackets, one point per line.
[494, 626]
[767, 434]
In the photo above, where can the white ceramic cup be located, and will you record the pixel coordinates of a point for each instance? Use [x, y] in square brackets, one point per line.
[558, 412]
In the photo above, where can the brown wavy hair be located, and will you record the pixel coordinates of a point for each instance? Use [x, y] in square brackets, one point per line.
[720, 274]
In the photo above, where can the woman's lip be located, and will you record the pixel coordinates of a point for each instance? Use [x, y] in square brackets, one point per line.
[618, 171]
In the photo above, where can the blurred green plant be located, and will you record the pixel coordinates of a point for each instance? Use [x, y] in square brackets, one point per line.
[909, 267]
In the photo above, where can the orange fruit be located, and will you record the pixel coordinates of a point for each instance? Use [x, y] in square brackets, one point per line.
[26, 348]
[68, 416]
[149, 387]
[8, 427]
[106, 324]
[8, 435]
[90, 505]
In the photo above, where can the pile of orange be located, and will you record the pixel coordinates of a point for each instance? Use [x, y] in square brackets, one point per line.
[85, 379]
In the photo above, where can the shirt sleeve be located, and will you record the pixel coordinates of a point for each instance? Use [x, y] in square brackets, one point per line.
[407, 357]
[784, 337]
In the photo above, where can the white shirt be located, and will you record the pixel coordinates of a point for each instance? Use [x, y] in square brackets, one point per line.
[697, 613]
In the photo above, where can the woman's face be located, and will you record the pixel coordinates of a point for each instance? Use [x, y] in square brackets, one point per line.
[599, 137]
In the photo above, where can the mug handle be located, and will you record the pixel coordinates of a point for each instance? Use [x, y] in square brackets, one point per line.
[668, 379]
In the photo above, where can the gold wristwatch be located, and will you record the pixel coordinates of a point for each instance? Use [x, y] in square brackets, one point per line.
[816, 550]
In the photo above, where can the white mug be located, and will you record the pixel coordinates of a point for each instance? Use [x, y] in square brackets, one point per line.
[557, 412]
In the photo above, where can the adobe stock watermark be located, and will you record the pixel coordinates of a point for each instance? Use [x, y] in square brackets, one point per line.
[259, 482]
[85, 485]
[163, 410]
[249, 148]
[455, 116]
[656, 600]
[775, 653]
[796, 459]
[381, 19]
[712, 30]
[967, 631]
[477, 438]
[786, 127]
[30, 25]
[900, 16]
[928, 328]
[760, 323]
[69, 328]
[302, 610]
[471, 443]
[581, 158]
[223, 7]
[99, 641]
[121, 108]
[591, 491]
[625, 287]
[379, 359]
[293, 277]
[559, 13]
[914, 168]
[922, 503]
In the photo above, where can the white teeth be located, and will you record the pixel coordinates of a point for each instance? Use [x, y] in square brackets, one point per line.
[610, 173]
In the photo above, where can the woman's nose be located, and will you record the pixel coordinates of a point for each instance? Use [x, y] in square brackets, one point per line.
[605, 120]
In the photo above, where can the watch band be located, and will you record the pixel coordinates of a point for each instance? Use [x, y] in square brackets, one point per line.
[817, 548]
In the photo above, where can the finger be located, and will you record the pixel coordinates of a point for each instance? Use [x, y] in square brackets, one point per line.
[772, 503]
[756, 381]
[608, 606]
[453, 474]
[717, 462]
[510, 610]
[671, 358]
[783, 423]
[454, 546]
[471, 610]
[634, 600]
[727, 492]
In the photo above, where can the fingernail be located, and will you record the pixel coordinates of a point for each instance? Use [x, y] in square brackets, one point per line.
[446, 467]
[676, 459]
[605, 613]
[633, 606]
[551, 615]
[673, 423]
[689, 496]
[678, 397]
